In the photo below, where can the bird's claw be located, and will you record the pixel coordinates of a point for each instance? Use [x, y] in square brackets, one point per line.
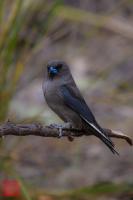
[54, 126]
[60, 132]
[59, 127]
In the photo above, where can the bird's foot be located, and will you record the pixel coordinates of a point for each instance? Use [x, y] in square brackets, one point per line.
[60, 127]
[68, 125]
[55, 126]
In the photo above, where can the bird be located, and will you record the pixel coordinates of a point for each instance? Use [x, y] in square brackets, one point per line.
[65, 99]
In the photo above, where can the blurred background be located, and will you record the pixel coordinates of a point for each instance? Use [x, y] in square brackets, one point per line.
[95, 37]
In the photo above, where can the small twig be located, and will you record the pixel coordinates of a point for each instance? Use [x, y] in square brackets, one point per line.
[9, 128]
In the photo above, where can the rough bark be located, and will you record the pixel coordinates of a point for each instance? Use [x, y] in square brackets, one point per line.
[10, 128]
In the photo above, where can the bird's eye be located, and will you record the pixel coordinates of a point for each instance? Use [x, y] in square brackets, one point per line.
[59, 66]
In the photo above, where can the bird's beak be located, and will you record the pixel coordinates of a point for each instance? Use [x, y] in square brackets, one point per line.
[52, 71]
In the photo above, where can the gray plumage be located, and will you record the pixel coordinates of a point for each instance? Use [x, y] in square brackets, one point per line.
[65, 99]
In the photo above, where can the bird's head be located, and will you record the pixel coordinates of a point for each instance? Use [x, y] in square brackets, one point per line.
[56, 68]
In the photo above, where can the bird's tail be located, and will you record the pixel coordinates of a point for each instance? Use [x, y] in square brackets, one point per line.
[101, 134]
[108, 143]
[106, 140]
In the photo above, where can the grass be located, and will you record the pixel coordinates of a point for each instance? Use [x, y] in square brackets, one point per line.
[15, 19]
[93, 192]
[15, 50]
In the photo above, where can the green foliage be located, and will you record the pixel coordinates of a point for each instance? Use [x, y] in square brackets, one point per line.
[13, 50]
[8, 43]
[95, 192]
[15, 21]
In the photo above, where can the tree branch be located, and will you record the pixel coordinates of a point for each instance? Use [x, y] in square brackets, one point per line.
[10, 128]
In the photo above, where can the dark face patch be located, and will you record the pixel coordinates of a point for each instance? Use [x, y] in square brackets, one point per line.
[53, 70]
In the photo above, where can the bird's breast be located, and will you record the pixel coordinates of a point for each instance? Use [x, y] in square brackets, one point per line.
[55, 101]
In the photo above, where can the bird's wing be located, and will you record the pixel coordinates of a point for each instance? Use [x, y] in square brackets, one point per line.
[80, 107]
